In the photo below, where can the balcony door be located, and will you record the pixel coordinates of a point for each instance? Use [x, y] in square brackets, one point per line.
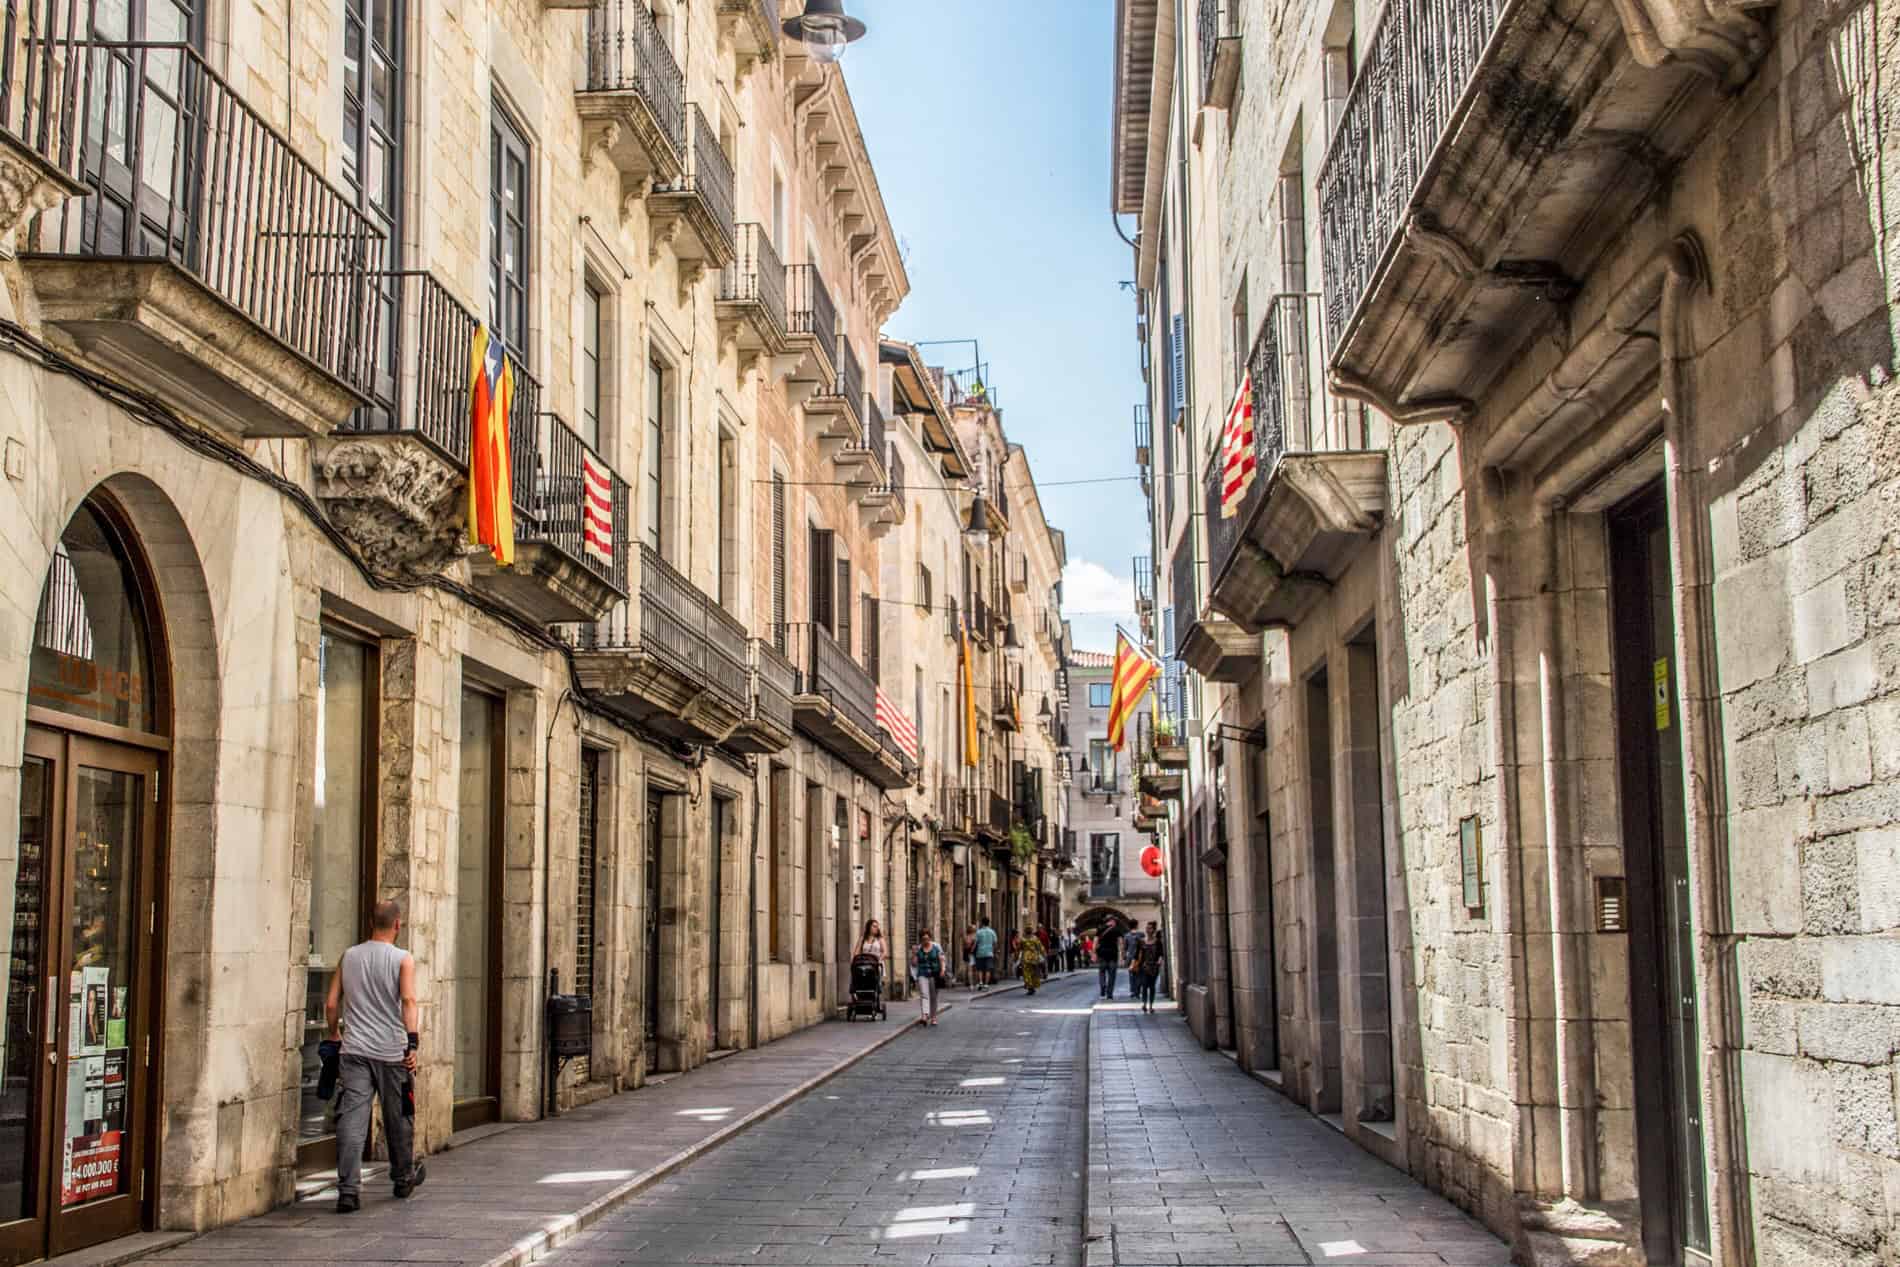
[475, 976]
[144, 146]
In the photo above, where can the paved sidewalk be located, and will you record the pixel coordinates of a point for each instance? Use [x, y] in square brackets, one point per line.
[508, 1198]
[1192, 1161]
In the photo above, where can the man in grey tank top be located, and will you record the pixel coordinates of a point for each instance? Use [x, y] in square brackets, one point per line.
[376, 983]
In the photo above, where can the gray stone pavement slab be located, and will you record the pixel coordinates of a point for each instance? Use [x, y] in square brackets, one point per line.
[511, 1195]
[1191, 1161]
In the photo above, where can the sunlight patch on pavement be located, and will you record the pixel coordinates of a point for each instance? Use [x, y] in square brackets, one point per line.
[929, 1227]
[982, 1082]
[929, 1220]
[586, 1176]
[958, 1117]
[1060, 1011]
[942, 1172]
[1341, 1249]
[707, 1115]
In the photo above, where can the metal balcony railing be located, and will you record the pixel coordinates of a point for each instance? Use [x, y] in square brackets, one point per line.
[1000, 809]
[812, 311]
[827, 669]
[1416, 69]
[774, 681]
[1293, 412]
[953, 620]
[627, 53]
[893, 464]
[180, 168]
[957, 808]
[1144, 437]
[756, 276]
[575, 501]
[1182, 578]
[708, 173]
[674, 621]
[849, 385]
[1144, 581]
[1219, 19]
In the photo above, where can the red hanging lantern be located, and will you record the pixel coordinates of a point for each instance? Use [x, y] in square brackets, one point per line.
[1151, 860]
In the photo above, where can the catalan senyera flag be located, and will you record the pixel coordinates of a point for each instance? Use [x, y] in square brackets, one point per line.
[597, 510]
[969, 696]
[1135, 672]
[491, 494]
[1237, 460]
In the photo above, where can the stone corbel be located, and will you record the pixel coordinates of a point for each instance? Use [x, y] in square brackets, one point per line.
[691, 273]
[602, 140]
[1717, 38]
[1453, 409]
[633, 196]
[29, 185]
[663, 235]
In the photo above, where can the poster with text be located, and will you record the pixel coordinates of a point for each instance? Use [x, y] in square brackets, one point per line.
[98, 982]
[95, 1088]
[92, 1168]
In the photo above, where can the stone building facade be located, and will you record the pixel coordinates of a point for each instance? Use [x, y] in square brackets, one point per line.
[258, 681]
[1551, 636]
[1102, 807]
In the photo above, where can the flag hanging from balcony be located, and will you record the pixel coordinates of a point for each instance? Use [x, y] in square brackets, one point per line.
[897, 722]
[969, 696]
[1236, 450]
[1135, 671]
[491, 497]
[597, 510]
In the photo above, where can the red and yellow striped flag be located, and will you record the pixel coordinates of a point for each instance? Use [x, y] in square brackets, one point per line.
[491, 494]
[969, 698]
[1135, 672]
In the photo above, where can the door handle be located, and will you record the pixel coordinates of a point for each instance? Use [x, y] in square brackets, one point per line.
[52, 1021]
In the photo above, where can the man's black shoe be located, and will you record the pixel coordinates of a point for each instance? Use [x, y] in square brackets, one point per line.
[416, 1175]
[348, 1203]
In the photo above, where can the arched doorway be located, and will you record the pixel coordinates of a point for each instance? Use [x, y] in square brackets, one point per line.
[80, 895]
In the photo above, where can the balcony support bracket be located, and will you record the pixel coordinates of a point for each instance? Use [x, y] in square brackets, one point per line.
[1716, 38]
[29, 185]
[396, 498]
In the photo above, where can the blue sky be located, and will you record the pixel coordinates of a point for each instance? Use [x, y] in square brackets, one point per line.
[990, 137]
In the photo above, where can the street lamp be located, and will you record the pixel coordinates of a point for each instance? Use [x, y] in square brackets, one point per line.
[825, 28]
[979, 528]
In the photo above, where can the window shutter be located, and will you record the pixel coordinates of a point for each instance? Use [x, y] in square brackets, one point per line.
[1167, 630]
[1177, 355]
[778, 562]
[821, 612]
[844, 605]
[872, 643]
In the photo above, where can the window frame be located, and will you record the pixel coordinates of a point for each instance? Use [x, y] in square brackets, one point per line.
[510, 323]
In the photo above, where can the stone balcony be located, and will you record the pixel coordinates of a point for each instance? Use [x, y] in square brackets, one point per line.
[633, 103]
[206, 263]
[885, 502]
[1488, 154]
[836, 706]
[754, 321]
[813, 334]
[750, 28]
[694, 213]
[835, 412]
[1220, 52]
[669, 658]
[768, 725]
[1318, 493]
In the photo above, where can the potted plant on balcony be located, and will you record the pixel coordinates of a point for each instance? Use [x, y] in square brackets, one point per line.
[1169, 752]
[1021, 843]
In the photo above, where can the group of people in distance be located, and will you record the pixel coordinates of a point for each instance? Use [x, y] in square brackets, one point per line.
[1031, 955]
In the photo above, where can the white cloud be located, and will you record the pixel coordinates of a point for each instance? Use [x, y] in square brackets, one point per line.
[1094, 599]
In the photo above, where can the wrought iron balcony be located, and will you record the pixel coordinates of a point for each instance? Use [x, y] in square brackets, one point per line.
[1144, 571]
[633, 107]
[814, 319]
[836, 705]
[1006, 705]
[672, 658]
[1104, 890]
[1470, 178]
[1206, 641]
[1220, 51]
[888, 498]
[953, 619]
[999, 818]
[837, 408]
[1144, 438]
[768, 726]
[753, 28]
[751, 306]
[207, 261]
[699, 201]
[957, 812]
[1319, 486]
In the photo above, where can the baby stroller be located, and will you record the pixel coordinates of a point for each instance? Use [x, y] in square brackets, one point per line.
[867, 988]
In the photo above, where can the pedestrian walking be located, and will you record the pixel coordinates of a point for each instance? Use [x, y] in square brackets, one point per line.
[1146, 967]
[1108, 956]
[969, 953]
[926, 967]
[1131, 946]
[1032, 960]
[1088, 948]
[983, 947]
[374, 989]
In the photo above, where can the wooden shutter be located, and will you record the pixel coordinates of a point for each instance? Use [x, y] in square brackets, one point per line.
[821, 612]
[873, 646]
[844, 605]
[778, 565]
[1177, 354]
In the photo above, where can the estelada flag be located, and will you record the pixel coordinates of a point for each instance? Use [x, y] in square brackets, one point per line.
[1135, 672]
[491, 493]
[1237, 460]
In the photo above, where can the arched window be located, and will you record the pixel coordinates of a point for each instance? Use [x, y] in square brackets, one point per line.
[92, 649]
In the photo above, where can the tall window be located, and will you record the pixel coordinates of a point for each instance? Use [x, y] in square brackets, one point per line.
[372, 152]
[821, 578]
[726, 547]
[656, 455]
[1099, 693]
[778, 561]
[815, 820]
[1102, 764]
[585, 867]
[508, 194]
[778, 211]
[592, 399]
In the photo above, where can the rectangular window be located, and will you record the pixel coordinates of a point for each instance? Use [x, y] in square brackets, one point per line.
[1099, 693]
[822, 578]
[873, 663]
[591, 344]
[508, 220]
[923, 587]
[726, 563]
[776, 862]
[917, 717]
[778, 211]
[342, 837]
[657, 391]
[1241, 333]
[372, 160]
[1102, 765]
[815, 828]
[843, 600]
